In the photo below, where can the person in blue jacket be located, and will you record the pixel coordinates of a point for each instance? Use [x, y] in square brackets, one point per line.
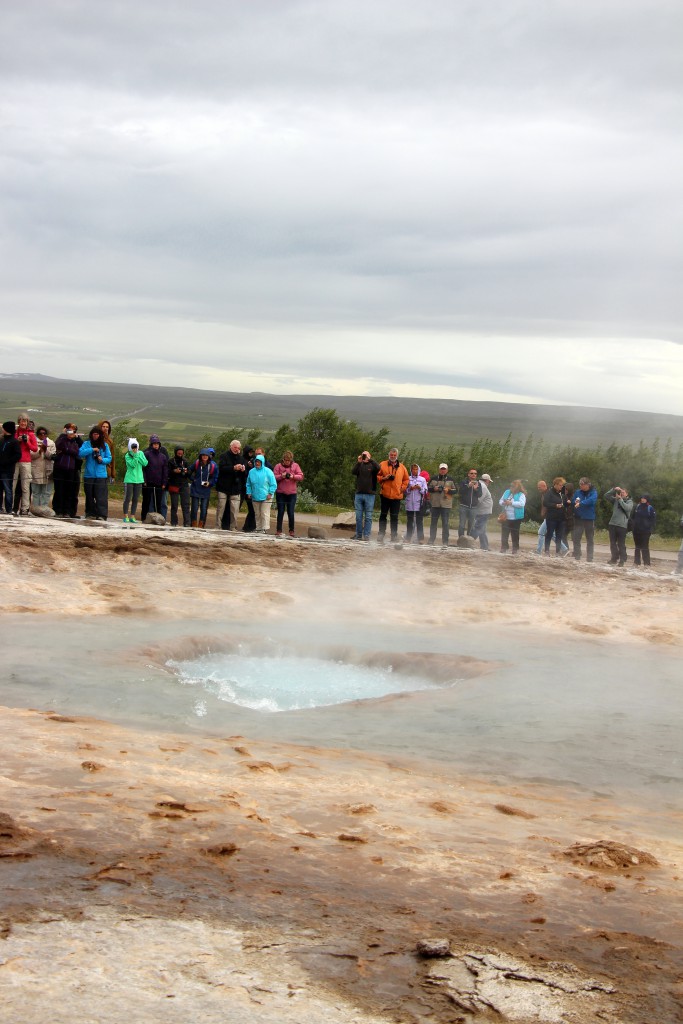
[203, 481]
[96, 457]
[261, 486]
[585, 505]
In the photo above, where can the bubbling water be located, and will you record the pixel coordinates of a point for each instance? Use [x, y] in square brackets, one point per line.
[289, 683]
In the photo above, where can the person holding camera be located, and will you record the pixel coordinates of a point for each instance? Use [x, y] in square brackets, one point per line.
[179, 485]
[288, 475]
[622, 506]
[365, 471]
[156, 478]
[133, 480]
[205, 475]
[67, 473]
[442, 487]
[232, 479]
[393, 483]
[22, 471]
[42, 468]
[97, 456]
[470, 491]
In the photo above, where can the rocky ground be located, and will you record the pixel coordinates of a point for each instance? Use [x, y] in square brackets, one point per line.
[165, 878]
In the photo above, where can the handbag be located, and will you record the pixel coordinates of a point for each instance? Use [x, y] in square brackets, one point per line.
[502, 517]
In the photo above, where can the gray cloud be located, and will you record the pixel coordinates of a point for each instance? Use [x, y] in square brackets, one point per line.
[394, 170]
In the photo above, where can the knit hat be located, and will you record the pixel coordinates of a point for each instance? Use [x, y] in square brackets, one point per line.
[9, 426]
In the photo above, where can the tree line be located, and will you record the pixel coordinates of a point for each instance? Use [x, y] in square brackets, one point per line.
[327, 447]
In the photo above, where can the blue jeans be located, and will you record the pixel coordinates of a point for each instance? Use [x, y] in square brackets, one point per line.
[541, 539]
[480, 524]
[467, 517]
[363, 504]
[200, 507]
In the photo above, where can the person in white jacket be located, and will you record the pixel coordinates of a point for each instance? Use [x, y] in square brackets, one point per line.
[42, 466]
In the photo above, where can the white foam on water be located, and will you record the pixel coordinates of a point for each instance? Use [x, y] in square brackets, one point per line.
[274, 684]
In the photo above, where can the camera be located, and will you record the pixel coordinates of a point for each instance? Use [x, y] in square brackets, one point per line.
[392, 476]
[24, 437]
[288, 476]
[364, 458]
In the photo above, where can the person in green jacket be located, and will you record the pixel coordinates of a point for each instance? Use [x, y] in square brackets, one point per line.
[133, 480]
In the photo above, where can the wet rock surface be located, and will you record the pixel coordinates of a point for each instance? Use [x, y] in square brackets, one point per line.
[213, 878]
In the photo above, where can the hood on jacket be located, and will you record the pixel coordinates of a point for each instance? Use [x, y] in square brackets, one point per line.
[179, 448]
[419, 471]
[154, 439]
[260, 460]
[206, 451]
[132, 441]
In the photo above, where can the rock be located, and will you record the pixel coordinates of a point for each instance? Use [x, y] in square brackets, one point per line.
[433, 948]
[155, 519]
[345, 521]
[466, 542]
[610, 856]
[515, 812]
[43, 513]
[317, 533]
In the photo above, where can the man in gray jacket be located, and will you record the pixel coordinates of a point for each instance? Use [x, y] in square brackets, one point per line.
[622, 506]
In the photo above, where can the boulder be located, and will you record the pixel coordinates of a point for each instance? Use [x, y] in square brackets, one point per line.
[43, 512]
[155, 519]
[317, 533]
[345, 521]
[467, 542]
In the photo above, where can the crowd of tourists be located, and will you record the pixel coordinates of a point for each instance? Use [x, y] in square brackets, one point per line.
[42, 476]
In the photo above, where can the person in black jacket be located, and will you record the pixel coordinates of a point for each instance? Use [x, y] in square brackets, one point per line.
[365, 471]
[555, 504]
[10, 453]
[232, 477]
[470, 491]
[644, 521]
[179, 485]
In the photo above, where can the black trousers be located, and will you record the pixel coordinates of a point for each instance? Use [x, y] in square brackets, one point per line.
[388, 507]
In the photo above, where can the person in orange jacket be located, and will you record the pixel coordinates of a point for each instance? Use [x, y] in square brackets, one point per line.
[393, 483]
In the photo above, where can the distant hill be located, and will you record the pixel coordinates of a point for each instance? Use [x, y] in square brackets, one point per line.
[184, 414]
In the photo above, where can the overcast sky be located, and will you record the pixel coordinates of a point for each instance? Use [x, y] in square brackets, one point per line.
[451, 198]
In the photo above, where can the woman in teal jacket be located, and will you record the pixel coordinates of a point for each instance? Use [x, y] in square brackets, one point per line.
[261, 486]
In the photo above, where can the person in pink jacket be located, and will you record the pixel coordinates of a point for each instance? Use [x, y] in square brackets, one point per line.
[288, 475]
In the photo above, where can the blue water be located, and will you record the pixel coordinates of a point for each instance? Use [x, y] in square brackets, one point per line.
[587, 713]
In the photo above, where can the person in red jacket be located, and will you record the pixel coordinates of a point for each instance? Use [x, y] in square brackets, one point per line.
[22, 471]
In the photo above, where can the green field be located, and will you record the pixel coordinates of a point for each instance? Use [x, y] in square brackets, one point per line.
[185, 414]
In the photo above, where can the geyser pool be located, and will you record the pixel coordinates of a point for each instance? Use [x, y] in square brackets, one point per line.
[289, 682]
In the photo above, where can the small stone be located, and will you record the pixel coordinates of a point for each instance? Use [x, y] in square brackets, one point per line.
[317, 533]
[433, 948]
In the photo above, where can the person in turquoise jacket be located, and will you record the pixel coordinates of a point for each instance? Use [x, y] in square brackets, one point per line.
[96, 455]
[261, 486]
[133, 480]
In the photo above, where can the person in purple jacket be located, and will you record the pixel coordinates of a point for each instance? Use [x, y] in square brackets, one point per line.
[156, 478]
